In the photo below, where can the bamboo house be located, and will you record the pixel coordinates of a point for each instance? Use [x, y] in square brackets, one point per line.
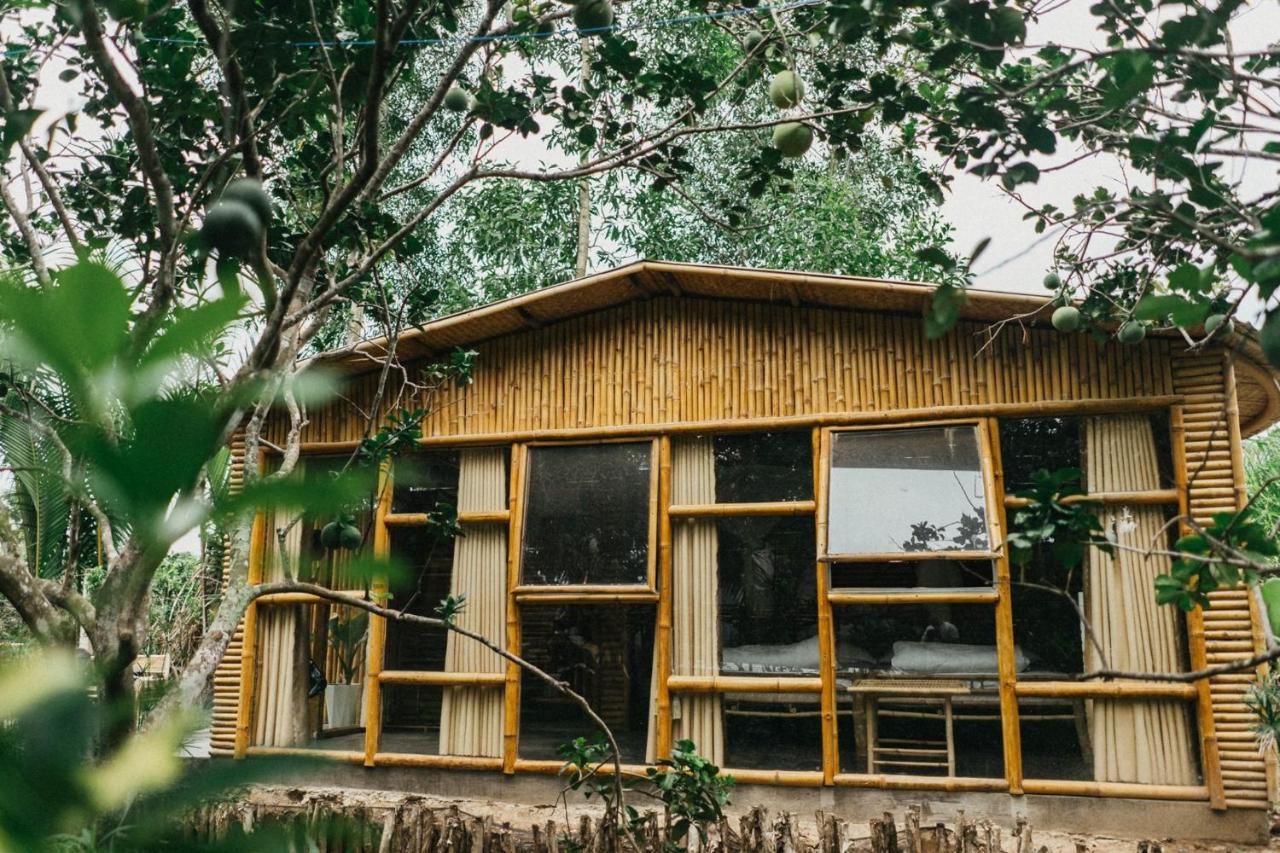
[761, 511]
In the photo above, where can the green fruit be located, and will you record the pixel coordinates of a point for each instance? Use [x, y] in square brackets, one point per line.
[249, 191]
[232, 228]
[127, 11]
[1269, 338]
[1214, 322]
[1052, 282]
[350, 537]
[544, 29]
[752, 40]
[1132, 332]
[593, 15]
[331, 535]
[457, 100]
[786, 90]
[792, 138]
[1066, 318]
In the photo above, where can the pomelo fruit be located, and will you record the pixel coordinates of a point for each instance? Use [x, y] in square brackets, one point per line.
[457, 100]
[792, 138]
[331, 535]
[1052, 282]
[232, 228]
[1132, 332]
[1066, 318]
[350, 537]
[249, 191]
[752, 40]
[593, 15]
[1214, 322]
[786, 89]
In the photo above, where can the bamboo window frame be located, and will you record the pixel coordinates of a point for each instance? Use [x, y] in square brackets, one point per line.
[662, 515]
[582, 593]
[982, 442]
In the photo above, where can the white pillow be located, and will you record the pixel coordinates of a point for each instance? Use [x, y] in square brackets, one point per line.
[945, 658]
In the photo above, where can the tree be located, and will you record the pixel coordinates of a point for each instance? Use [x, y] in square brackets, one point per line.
[367, 121]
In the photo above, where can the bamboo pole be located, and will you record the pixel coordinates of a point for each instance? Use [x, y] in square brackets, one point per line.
[278, 598]
[904, 782]
[662, 742]
[821, 444]
[983, 595]
[993, 476]
[742, 684]
[908, 556]
[511, 698]
[1135, 790]
[450, 679]
[249, 647]
[344, 756]
[1106, 690]
[441, 762]
[376, 647]
[580, 597]
[1210, 758]
[1148, 497]
[422, 519]
[737, 510]
[884, 417]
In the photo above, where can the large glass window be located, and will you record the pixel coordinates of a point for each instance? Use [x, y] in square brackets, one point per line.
[605, 654]
[587, 517]
[759, 467]
[918, 489]
[768, 604]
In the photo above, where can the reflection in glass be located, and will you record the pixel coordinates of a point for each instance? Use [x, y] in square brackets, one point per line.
[587, 518]
[768, 603]
[759, 467]
[411, 718]
[919, 640]
[912, 574]
[605, 654]
[425, 481]
[915, 489]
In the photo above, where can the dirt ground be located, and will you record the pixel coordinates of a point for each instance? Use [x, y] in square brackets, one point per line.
[522, 817]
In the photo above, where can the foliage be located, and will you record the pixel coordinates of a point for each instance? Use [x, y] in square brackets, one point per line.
[1263, 699]
[1224, 554]
[1067, 527]
[176, 610]
[130, 798]
[692, 789]
[1261, 469]
[689, 786]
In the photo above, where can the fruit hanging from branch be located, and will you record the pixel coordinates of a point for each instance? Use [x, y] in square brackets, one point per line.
[792, 138]
[786, 90]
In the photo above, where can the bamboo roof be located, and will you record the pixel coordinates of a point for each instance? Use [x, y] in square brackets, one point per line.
[1257, 387]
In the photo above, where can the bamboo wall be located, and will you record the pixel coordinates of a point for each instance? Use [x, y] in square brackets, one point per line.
[1215, 483]
[671, 361]
[226, 678]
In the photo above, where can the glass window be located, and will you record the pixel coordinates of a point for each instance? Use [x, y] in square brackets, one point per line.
[605, 654]
[917, 489]
[760, 467]
[425, 481]
[919, 640]
[768, 589]
[912, 574]
[772, 731]
[1029, 444]
[411, 718]
[587, 518]
[423, 567]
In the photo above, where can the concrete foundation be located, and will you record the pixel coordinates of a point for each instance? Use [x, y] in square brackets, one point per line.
[1104, 816]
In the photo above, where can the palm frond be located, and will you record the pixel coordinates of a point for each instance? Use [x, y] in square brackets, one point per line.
[39, 497]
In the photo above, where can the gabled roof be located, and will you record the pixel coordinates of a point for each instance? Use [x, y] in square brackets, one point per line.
[1259, 393]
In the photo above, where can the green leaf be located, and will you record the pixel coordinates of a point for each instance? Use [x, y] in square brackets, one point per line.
[1182, 311]
[17, 124]
[944, 310]
[192, 329]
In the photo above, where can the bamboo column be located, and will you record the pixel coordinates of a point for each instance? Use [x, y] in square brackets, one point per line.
[1210, 759]
[376, 647]
[662, 745]
[511, 716]
[989, 433]
[249, 644]
[826, 640]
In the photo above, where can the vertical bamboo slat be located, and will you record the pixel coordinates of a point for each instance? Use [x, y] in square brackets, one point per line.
[249, 655]
[376, 647]
[826, 635]
[511, 713]
[994, 478]
[663, 662]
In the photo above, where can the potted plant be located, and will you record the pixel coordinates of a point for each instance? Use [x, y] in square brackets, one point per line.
[346, 638]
